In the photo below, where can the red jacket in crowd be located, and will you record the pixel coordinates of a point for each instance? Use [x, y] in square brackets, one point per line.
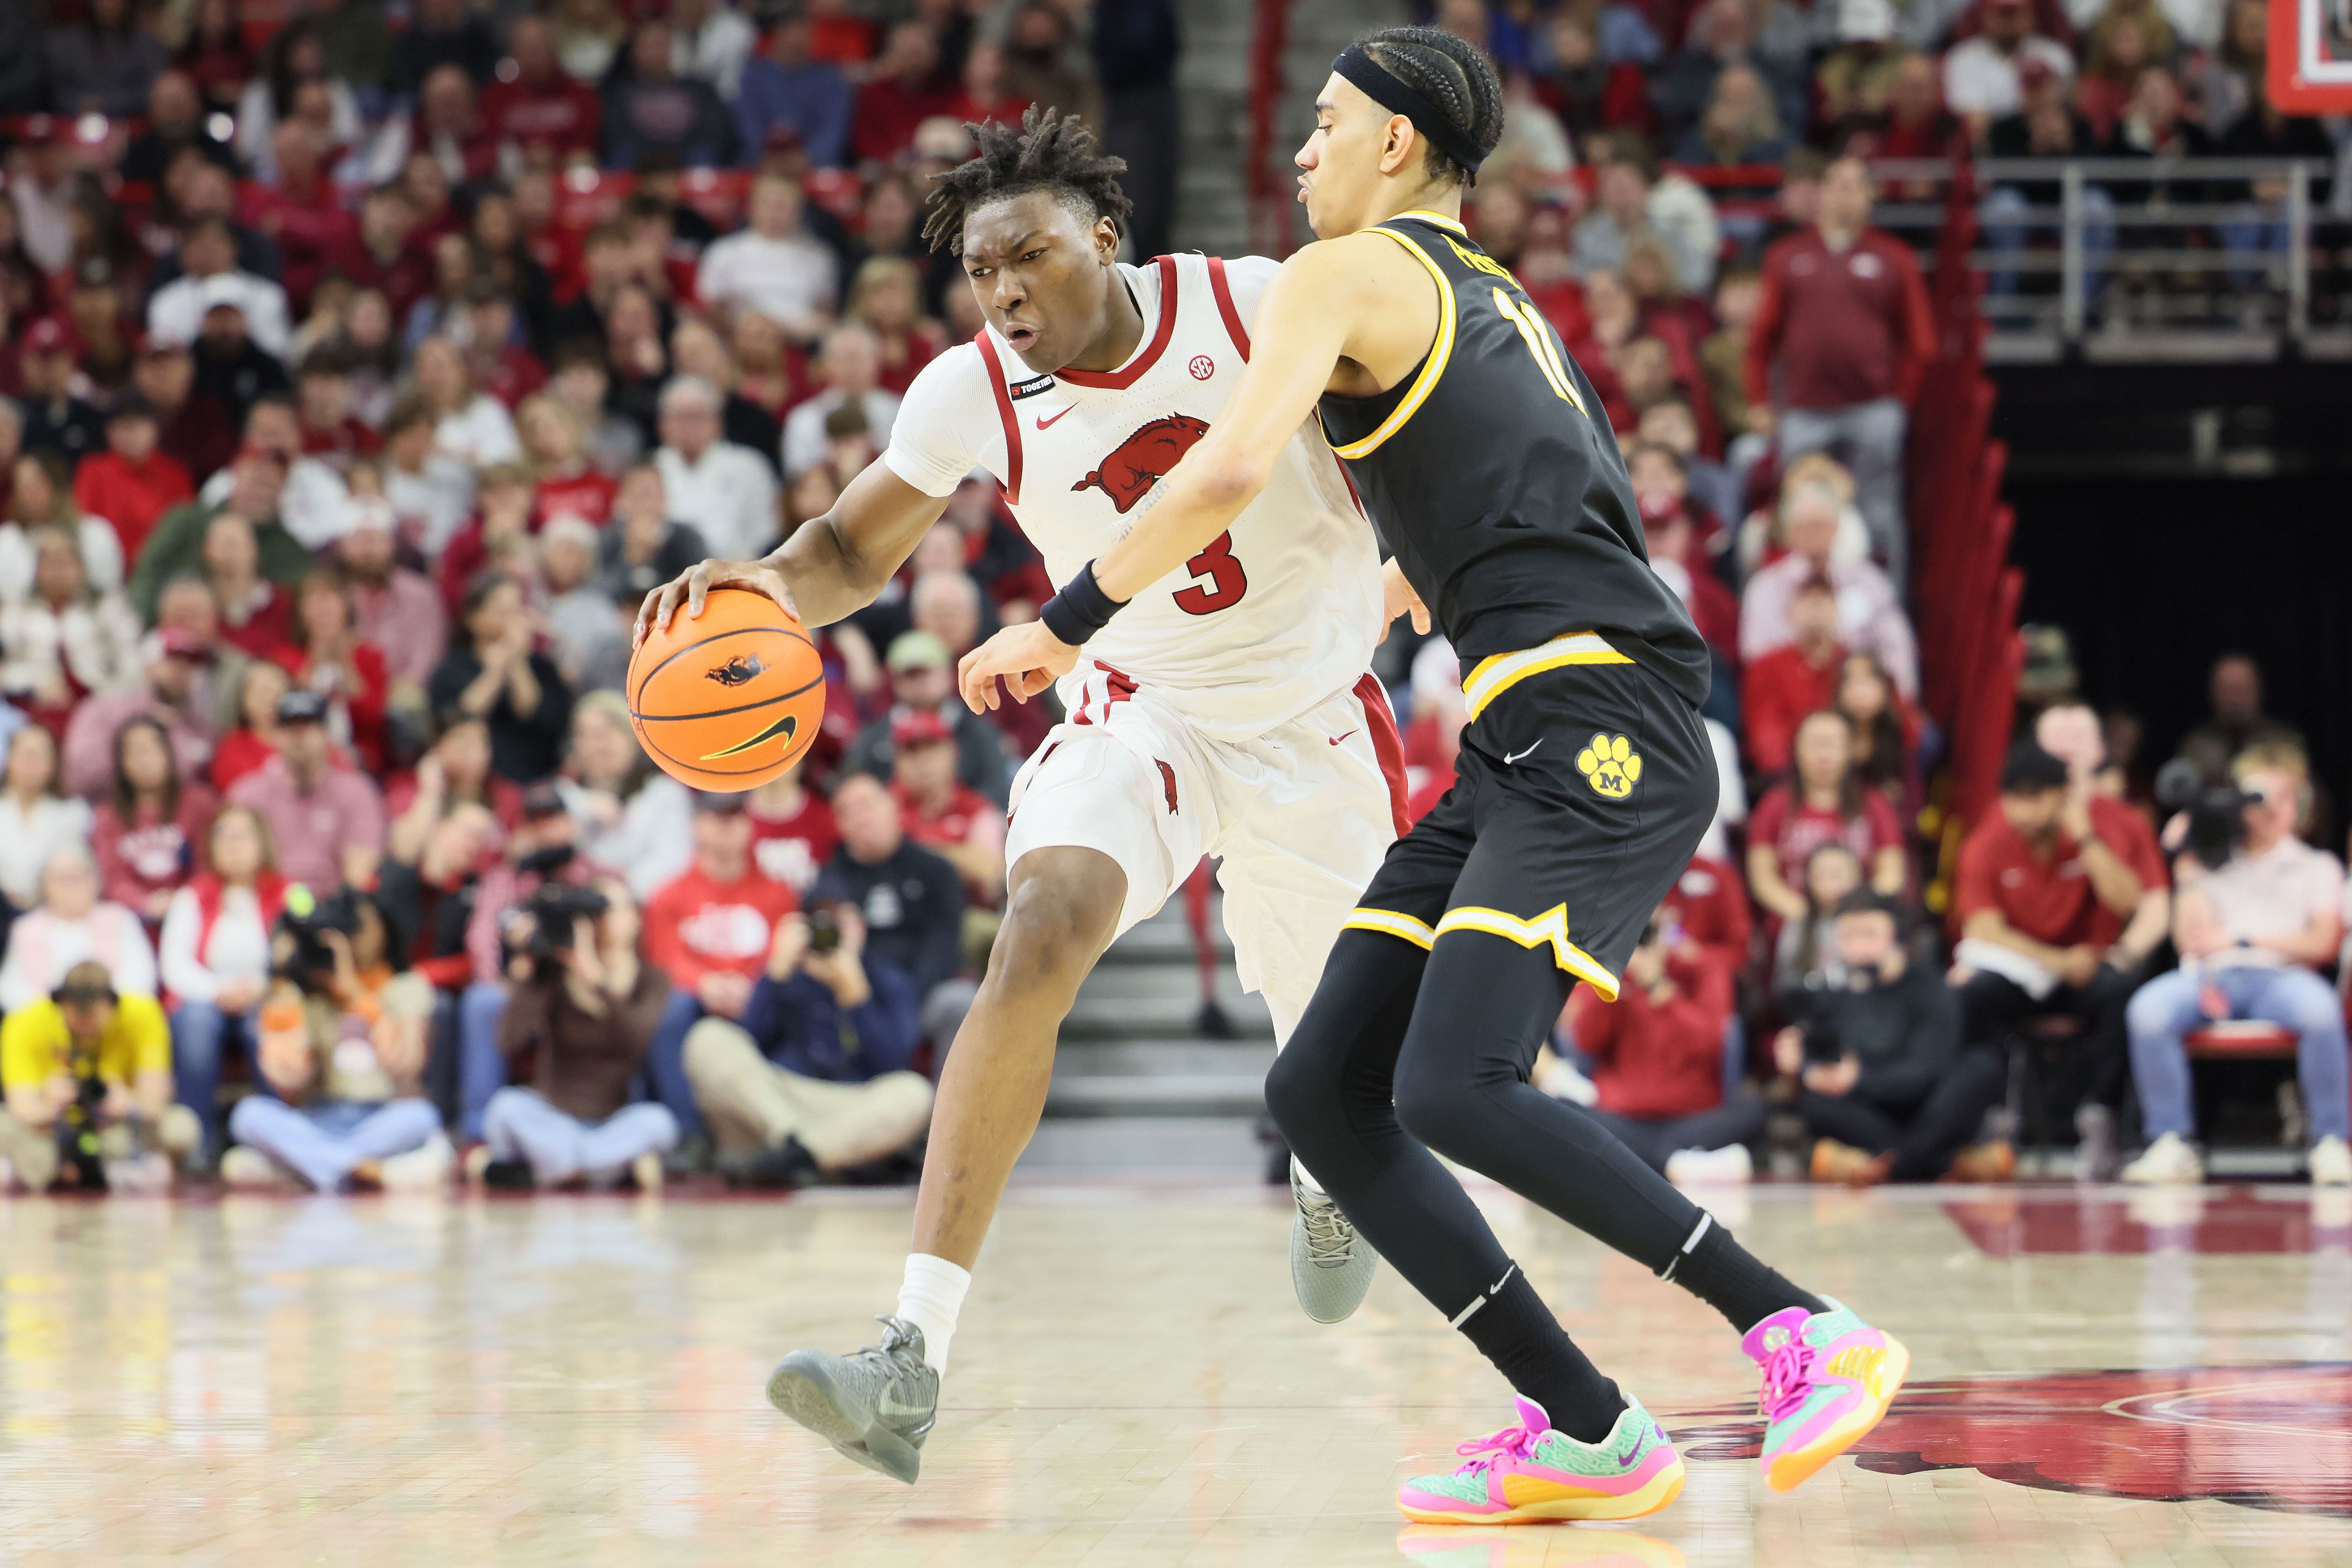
[131, 496]
[1656, 1058]
[1846, 327]
[1776, 689]
[1709, 901]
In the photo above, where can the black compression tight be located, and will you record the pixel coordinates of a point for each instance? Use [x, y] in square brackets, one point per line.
[1402, 1052]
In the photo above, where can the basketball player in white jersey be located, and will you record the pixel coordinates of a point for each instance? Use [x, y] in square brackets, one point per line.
[1228, 710]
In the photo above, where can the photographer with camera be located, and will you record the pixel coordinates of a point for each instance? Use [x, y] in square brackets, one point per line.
[812, 1078]
[2259, 912]
[88, 1080]
[585, 1008]
[2060, 895]
[1884, 1086]
[340, 1055]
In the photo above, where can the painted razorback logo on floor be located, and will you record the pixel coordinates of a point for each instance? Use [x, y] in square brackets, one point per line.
[1128, 473]
[2263, 1437]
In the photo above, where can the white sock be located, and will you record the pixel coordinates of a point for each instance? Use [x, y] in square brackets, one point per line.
[930, 1298]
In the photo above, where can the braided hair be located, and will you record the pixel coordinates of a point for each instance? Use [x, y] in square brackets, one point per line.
[1051, 151]
[1450, 74]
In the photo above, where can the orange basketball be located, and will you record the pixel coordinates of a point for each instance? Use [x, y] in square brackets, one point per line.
[730, 698]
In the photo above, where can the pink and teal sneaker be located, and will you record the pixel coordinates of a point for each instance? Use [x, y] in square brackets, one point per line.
[1529, 1472]
[1828, 1378]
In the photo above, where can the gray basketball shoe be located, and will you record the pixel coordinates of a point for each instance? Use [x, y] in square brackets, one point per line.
[875, 1406]
[1331, 1264]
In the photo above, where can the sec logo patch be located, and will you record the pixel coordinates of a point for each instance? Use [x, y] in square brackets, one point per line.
[1204, 367]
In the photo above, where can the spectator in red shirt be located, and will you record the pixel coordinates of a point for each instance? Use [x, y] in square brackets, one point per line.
[792, 834]
[194, 428]
[131, 484]
[1845, 319]
[709, 931]
[567, 484]
[900, 94]
[150, 822]
[2060, 895]
[331, 431]
[943, 814]
[886, 295]
[1657, 1058]
[1822, 800]
[541, 110]
[254, 613]
[1708, 905]
[316, 233]
[1780, 687]
[244, 748]
[326, 654]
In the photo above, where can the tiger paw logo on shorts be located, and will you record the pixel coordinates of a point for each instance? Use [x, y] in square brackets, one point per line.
[1610, 766]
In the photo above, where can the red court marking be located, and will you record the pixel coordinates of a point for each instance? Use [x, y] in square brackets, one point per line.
[2182, 1219]
[2273, 1438]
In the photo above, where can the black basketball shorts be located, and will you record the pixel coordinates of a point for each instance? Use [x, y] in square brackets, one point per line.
[1584, 785]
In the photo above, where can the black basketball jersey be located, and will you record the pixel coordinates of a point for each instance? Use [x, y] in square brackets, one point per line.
[1494, 474]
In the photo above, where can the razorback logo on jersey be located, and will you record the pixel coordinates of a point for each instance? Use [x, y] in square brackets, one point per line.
[1167, 785]
[1129, 470]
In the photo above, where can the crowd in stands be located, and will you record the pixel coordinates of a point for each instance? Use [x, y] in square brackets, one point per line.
[366, 368]
[366, 371]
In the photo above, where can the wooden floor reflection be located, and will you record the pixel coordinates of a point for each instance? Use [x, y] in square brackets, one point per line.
[577, 1381]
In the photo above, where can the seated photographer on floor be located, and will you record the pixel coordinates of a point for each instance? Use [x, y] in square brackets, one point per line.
[340, 1055]
[2060, 895]
[2258, 912]
[584, 1008]
[1885, 1089]
[1655, 1058]
[812, 1078]
[88, 1080]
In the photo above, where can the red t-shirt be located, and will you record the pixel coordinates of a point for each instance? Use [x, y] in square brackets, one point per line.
[1776, 692]
[697, 926]
[793, 849]
[1709, 901]
[343, 445]
[1795, 830]
[2049, 898]
[968, 814]
[130, 498]
[561, 115]
[587, 495]
[1653, 1059]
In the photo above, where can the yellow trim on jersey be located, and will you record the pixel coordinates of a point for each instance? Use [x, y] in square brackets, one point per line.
[1431, 369]
[1391, 923]
[1549, 926]
[1438, 219]
[1498, 673]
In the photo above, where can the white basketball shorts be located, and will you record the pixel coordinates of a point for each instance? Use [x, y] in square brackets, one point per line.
[1300, 817]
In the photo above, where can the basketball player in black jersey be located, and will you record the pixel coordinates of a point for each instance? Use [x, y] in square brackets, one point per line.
[1585, 782]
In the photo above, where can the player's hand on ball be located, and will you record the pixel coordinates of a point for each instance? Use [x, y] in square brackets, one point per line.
[1398, 598]
[1028, 656]
[695, 586]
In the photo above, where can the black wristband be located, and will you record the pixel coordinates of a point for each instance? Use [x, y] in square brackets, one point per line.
[1080, 609]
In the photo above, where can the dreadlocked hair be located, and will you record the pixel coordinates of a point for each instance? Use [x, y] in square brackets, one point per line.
[1450, 74]
[1051, 151]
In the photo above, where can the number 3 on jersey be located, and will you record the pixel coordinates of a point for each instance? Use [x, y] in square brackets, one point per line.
[1227, 582]
[1538, 333]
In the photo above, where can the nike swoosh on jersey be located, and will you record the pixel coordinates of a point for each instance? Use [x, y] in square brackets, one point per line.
[1043, 421]
[1511, 757]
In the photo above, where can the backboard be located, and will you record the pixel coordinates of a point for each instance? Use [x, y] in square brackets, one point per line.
[2311, 55]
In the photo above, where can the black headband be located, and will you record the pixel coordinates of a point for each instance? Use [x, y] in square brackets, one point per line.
[1382, 87]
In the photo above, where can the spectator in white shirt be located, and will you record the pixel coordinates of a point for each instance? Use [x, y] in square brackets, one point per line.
[850, 368]
[1870, 612]
[775, 266]
[37, 818]
[209, 276]
[471, 426]
[728, 491]
[710, 41]
[431, 493]
[72, 924]
[1980, 81]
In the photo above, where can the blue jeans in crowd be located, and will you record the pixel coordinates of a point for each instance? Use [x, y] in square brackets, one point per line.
[481, 1064]
[199, 1033]
[324, 1144]
[520, 1125]
[2002, 217]
[664, 1075]
[2163, 1012]
[1868, 438]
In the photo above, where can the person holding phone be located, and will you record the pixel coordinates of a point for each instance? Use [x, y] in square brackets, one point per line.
[812, 1076]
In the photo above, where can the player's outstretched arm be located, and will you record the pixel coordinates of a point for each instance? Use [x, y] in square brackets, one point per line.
[1324, 305]
[831, 565]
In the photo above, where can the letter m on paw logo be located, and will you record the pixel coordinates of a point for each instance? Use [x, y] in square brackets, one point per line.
[1610, 766]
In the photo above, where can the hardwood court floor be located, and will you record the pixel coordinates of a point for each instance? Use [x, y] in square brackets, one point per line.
[577, 1380]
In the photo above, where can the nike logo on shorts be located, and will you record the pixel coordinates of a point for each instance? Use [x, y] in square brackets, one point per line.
[1043, 421]
[1337, 739]
[1511, 757]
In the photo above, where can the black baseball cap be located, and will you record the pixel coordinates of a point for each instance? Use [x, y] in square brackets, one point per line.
[301, 707]
[2029, 770]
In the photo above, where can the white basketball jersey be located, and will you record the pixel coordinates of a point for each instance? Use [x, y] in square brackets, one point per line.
[1278, 614]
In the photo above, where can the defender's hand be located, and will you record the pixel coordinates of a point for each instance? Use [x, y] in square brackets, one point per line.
[1397, 599]
[1028, 656]
[695, 586]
